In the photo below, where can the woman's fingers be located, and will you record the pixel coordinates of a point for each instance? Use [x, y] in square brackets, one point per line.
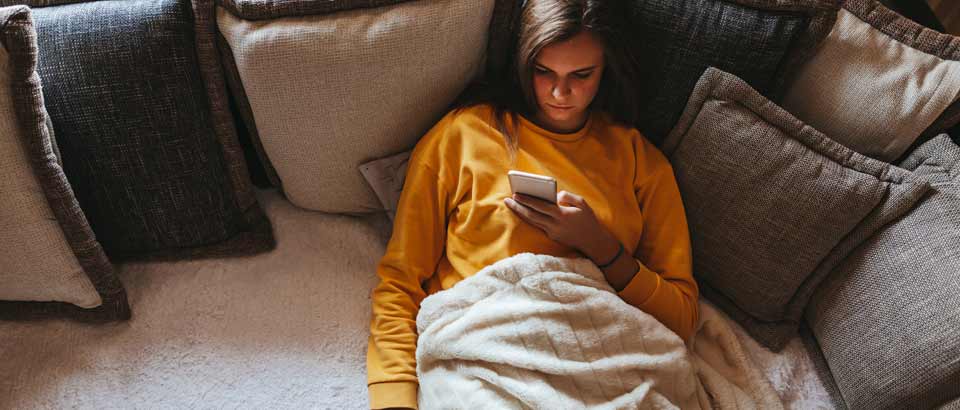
[528, 214]
[537, 204]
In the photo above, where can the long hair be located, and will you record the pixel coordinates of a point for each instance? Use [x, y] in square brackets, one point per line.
[544, 22]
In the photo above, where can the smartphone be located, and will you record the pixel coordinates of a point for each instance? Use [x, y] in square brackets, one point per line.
[540, 186]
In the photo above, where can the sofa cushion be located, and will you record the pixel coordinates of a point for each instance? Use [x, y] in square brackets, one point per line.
[329, 92]
[144, 128]
[761, 41]
[773, 205]
[49, 252]
[879, 82]
[271, 9]
[891, 307]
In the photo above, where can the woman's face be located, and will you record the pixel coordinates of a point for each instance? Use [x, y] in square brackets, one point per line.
[566, 77]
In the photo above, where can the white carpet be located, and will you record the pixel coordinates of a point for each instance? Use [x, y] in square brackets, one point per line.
[284, 330]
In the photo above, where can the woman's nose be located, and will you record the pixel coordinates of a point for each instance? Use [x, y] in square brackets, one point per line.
[561, 89]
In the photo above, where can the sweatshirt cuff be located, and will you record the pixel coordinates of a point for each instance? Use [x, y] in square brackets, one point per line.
[393, 394]
[643, 285]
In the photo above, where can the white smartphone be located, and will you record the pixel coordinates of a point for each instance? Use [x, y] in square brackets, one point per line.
[540, 186]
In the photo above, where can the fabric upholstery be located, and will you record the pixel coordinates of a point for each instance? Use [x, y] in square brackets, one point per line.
[386, 176]
[773, 205]
[502, 31]
[243, 110]
[329, 92]
[271, 9]
[761, 41]
[37, 261]
[52, 265]
[147, 139]
[953, 405]
[891, 307]
[878, 82]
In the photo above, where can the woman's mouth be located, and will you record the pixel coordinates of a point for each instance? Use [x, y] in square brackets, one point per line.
[558, 107]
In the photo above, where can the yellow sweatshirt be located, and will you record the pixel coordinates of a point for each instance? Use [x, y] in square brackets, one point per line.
[451, 222]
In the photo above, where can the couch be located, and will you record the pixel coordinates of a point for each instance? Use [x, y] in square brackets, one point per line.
[224, 183]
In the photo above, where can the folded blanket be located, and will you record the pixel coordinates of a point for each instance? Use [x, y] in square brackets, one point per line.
[541, 332]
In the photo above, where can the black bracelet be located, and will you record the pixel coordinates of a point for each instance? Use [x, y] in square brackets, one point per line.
[615, 257]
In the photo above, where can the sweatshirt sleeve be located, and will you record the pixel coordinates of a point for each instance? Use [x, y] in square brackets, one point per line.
[663, 286]
[411, 257]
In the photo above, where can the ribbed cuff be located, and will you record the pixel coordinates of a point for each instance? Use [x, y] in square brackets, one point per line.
[643, 285]
[393, 394]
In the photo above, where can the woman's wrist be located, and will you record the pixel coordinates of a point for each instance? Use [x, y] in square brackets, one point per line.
[602, 252]
[613, 259]
[617, 267]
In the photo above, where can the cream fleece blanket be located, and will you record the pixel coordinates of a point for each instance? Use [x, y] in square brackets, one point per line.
[541, 332]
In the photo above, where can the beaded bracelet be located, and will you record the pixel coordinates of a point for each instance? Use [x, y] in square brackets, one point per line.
[615, 257]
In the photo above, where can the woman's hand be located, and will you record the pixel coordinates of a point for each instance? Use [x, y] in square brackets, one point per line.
[570, 221]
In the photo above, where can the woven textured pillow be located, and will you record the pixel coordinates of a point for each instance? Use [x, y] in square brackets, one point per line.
[773, 205]
[761, 41]
[50, 263]
[505, 17]
[143, 125]
[329, 92]
[270, 9]
[891, 308]
[879, 82]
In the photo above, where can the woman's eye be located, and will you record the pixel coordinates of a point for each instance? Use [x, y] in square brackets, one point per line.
[540, 70]
[583, 75]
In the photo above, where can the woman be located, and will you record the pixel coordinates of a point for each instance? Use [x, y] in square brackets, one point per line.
[618, 203]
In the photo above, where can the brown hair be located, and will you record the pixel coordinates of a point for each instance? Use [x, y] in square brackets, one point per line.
[544, 22]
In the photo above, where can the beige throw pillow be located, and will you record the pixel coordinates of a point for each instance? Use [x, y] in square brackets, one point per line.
[878, 81]
[329, 92]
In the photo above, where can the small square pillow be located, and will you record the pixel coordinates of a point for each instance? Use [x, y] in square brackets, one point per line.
[761, 41]
[892, 308]
[879, 82]
[143, 126]
[386, 176]
[773, 205]
[50, 263]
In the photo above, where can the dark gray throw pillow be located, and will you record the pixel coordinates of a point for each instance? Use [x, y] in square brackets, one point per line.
[136, 95]
[773, 205]
[888, 319]
[760, 41]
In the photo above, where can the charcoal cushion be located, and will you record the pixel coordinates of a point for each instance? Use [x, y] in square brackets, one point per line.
[144, 129]
[773, 205]
[891, 307]
[761, 41]
[50, 262]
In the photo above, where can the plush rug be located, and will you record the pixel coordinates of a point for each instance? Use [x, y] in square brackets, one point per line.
[791, 371]
[285, 330]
